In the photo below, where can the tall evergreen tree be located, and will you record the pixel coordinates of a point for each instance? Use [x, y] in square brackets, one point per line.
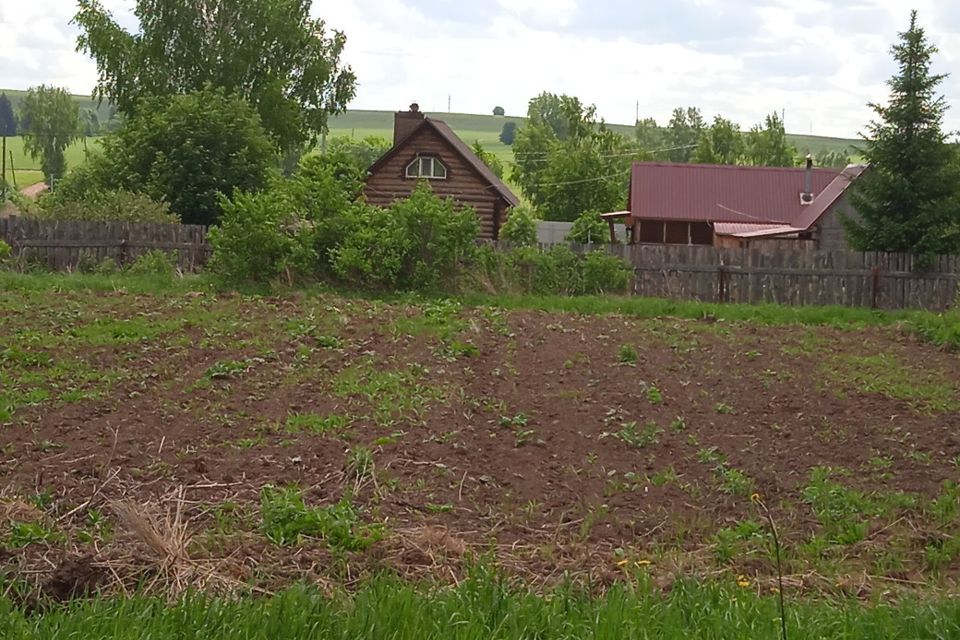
[910, 200]
[8, 122]
[8, 127]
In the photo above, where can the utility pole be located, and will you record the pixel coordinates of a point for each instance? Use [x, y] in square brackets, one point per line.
[637, 118]
[449, 102]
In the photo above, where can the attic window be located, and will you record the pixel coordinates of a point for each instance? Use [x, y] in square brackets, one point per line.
[427, 167]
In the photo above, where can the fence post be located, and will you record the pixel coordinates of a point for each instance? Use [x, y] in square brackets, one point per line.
[123, 252]
[721, 284]
[875, 293]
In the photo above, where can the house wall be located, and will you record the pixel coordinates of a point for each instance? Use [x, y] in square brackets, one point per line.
[829, 233]
[463, 184]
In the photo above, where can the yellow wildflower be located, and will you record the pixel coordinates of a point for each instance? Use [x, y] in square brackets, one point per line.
[743, 581]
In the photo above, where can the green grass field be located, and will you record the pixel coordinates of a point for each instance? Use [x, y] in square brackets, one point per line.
[485, 609]
[26, 170]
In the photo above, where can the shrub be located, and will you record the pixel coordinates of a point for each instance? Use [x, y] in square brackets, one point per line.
[417, 244]
[5, 253]
[558, 271]
[260, 238]
[520, 228]
[154, 263]
[186, 150]
[604, 273]
[104, 206]
[589, 228]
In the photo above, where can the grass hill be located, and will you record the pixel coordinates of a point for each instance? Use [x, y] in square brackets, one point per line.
[361, 123]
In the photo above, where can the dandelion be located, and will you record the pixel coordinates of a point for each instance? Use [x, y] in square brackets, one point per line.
[743, 582]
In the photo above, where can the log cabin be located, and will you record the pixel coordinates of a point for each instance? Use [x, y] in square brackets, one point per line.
[428, 149]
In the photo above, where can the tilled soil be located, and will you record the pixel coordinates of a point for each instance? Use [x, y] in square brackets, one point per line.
[546, 443]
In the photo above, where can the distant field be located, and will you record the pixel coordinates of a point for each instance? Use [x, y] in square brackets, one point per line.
[487, 129]
[28, 169]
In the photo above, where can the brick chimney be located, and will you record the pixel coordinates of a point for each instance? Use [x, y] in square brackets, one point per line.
[404, 122]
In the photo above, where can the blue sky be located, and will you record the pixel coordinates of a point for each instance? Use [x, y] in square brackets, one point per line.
[820, 61]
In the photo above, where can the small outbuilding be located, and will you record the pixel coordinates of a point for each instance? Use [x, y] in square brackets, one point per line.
[734, 206]
[428, 149]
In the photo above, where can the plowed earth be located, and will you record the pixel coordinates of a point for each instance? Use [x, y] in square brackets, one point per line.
[547, 443]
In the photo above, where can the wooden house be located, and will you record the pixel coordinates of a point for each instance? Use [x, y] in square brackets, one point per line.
[736, 206]
[428, 149]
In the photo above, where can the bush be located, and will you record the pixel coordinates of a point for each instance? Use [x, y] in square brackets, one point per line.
[520, 228]
[558, 271]
[185, 150]
[153, 263]
[260, 238]
[5, 253]
[589, 228]
[103, 206]
[417, 244]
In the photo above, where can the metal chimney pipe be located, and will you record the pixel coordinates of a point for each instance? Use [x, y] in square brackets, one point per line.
[808, 180]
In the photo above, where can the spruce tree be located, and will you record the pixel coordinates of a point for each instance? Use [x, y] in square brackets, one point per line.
[908, 201]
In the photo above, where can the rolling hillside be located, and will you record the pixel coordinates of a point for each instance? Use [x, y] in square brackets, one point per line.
[360, 123]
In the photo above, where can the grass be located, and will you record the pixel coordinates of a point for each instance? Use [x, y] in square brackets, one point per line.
[484, 607]
[941, 329]
[28, 169]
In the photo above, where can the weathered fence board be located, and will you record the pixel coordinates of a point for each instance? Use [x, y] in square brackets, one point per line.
[792, 277]
[63, 245]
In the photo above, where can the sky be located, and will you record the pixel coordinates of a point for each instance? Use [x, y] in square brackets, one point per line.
[818, 61]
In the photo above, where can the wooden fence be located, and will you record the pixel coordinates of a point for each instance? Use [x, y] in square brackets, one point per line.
[800, 276]
[63, 245]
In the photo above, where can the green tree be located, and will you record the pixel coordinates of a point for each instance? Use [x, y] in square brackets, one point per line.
[555, 112]
[269, 52]
[357, 154]
[683, 133]
[51, 118]
[508, 133]
[650, 136]
[767, 144]
[520, 228]
[8, 121]
[89, 123]
[586, 170]
[8, 127]
[721, 143]
[908, 201]
[833, 159]
[589, 228]
[492, 161]
[187, 151]
[499, 111]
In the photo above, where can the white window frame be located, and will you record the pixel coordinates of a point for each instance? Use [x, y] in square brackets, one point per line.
[426, 167]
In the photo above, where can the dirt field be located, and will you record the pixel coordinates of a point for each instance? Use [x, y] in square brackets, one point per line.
[140, 433]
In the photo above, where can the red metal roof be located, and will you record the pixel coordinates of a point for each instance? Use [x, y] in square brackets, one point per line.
[722, 193]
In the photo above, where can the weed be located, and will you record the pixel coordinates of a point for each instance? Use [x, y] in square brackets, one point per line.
[635, 437]
[723, 408]
[627, 355]
[23, 534]
[654, 396]
[316, 424]
[360, 463]
[286, 520]
[679, 424]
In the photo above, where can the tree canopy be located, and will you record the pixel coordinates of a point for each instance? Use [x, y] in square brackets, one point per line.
[909, 201]
[509, 133]
[683, 134]
[185, 150]
[567, 163]
[269, 52]
[50, 118]
[767, 144]
[720, 143]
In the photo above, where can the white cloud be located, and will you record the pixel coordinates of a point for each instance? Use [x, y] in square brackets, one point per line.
[821, 61]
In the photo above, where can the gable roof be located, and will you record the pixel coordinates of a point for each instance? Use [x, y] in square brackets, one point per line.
[461, 148]
[723, 193]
